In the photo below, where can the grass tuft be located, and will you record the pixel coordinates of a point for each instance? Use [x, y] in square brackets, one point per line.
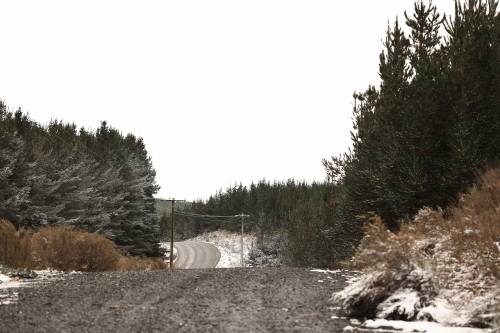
[140, 264]
[15, 245]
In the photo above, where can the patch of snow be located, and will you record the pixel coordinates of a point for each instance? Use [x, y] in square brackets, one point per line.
[166, 246]
[326, 271]
[355, 287]
[418, 326]
[354, 321]
[439, 309]
[7, 284]
[403, 302]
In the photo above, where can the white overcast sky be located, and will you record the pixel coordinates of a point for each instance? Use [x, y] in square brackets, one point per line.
[221, 91]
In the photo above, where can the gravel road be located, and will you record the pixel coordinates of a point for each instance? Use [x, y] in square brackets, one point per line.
[194, 300]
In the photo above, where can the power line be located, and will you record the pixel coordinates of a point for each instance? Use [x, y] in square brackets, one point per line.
[200, 215]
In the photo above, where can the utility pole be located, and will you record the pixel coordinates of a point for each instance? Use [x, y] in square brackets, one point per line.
[173, 200]
[242, 219]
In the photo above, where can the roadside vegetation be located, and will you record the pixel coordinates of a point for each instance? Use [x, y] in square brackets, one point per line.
[443, 265]
[419, 194]
[64, 249]
[59, 175]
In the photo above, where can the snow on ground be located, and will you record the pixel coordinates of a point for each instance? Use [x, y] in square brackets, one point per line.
[419, 326]
[229, 245]
[8, 285]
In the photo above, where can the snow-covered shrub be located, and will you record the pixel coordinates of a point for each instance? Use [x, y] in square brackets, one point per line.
[392, 270]
[442, 266]
[496, 319]
[266, 254]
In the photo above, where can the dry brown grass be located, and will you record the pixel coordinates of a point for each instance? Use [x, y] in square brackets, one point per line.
[15, 246]
[73, 250]
[382, 247]
[140, 264]
[66, 249]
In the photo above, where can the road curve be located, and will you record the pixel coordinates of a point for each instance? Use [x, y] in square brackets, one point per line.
[196, 255]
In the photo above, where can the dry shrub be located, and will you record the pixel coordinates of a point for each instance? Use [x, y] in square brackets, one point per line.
[382, 247]
[140, 264]
[390, 264]
[474, 226]
[66, 249]
[15, 245]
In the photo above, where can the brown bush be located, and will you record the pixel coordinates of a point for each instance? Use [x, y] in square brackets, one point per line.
[15, 245]
[64, 249]
[382, 247]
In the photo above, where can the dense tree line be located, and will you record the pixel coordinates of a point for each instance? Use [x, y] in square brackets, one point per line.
[292, 212]
[99, 181]
[419, 138]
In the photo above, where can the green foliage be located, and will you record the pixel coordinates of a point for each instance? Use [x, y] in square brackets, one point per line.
[164, 224]
[99, 181]
[420, 138]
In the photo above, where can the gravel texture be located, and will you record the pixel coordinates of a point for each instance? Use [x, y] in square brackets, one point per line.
[197, 300]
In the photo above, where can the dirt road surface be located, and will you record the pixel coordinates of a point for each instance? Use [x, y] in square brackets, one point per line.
[193, 300]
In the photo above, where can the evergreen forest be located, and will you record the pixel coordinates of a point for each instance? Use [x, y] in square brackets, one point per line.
[99, 181]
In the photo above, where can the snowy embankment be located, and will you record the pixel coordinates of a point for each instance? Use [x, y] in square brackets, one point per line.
[356, 280]
[432, 270]
[229, 245]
